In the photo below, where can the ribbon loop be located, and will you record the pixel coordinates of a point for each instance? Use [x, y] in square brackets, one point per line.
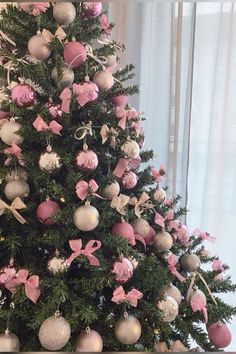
[40, 125]
[17, 204]
[172, 262]
[107, 133]
[132, 296]
[60, 34]
[119, 203]
[83, 189]
[86, 129]
[90, 248]
[141, 204]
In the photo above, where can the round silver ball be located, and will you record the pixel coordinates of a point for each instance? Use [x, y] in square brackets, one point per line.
[16, 188]
[159, 195]
[64, 13]
[9, 133]
[162, 241]
[89, 341]
[66, 79]
[38, 47]
[169, 307]
[86, 218]
[128, 330]
[190, 262]
[9, 342]
[141, 227]
[111, 190]
[103, 79]
[131, 149]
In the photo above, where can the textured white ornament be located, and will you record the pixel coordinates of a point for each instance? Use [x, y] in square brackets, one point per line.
[141, 227]
[9, 342]
[57, 265]
[16, 188]
[159, 195]
[169, 307]
[67, 78]
[131, 149]
[173, 291]
[128, 329]
[64, 13]
[86, 217]
[8, 133]
[162, 241]
[111, 190]
[54, 332]
[16, 174]
[89, 341]
[49, 161]
[103, 79]
[190, 262]
[39, 47]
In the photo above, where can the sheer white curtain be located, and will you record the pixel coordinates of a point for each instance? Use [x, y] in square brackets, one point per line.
[185, 57]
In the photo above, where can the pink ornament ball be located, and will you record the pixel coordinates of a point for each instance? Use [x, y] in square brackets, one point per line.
[120, 100]
[123, 269]
[219, 335]
[149, 238]
[46, 210]
[23, 95]
[92, 9]
[87, 160]
[129, 180]
[74, 54]
[125, 230]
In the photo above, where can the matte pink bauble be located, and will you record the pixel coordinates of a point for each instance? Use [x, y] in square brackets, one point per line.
[123, 269]
[87, 160]
[219, 335]
[46, 210]
[74, 54]
[92, 9]
[129, 180]
[23, 95]
[123, 229]
[120, 100]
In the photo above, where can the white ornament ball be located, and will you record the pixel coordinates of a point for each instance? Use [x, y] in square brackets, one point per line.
[141, 227]
[131, 149]
[49, 160]
[16, 174]
[169, 307]
[86, 217]
[173, 291]
[9, 342]
[8, 133]
[190, 262]
[66, 79]
[57, 265]
[64, 13]
[162, 241]
[103, 79]
[38, 47]
[128, 330]
[159, 195]
[111, 190]
[111, 59]
[54, 332]
[16, 188]
[89, 341]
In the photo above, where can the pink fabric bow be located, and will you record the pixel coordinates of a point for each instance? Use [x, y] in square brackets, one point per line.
[83, 189]
[105, 24]
[132, 296]
[125, 114]
[172, 261]
[168, 219]
[35, 7]
[31, 284]
[198, 303]
[76, 246]
[158, 174]
[182, 234]
[15, 151]
[203, 235]
[217, 265]
[125, 165]
[40, 125]
[7, 274]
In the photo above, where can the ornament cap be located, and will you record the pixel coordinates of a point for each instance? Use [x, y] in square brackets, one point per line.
[7, 332]
[49, 148]
[88, 330]
[57, 313]
[38, 33]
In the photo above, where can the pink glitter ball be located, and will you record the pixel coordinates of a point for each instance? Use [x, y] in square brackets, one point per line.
[54, 110]
[74, 54]
[219, 335]
[129, 180]
[124, 229]
[87, 160]
[123, 269]
[92, 9]
[46, 210]
[23, 95]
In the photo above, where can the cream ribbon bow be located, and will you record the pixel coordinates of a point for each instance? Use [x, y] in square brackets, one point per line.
[59, 34]
[119, 203]
[141, 204]
[107, 133]
[17, 204]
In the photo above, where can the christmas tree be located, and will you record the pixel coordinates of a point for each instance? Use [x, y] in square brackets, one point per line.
[94, 256]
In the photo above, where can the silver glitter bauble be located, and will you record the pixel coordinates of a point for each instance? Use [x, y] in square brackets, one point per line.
[9, 342]
[159, 195]
[57, 265]
[54, 332]
[64, 13]
[162, 241]
[9, 135]
[39, 47]
[131, 149]
[89, 341]
[111, 190]
[86, 217]
[169, 307]
[66, 79]
[173, 291]
[49, 160]
[190, 262]
[128, 329]
[16, 188]
[141, 227]
[103, 79]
